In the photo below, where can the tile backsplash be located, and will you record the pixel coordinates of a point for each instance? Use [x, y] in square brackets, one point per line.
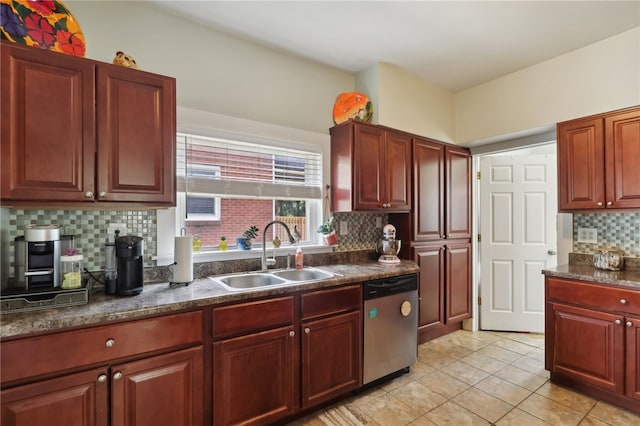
[90, 229]
[619, 230]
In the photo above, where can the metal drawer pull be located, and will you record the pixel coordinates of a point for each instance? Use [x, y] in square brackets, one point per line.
[629, 324]
[618, 322]
[110, 343]
[117, 375]
[623, 301]
[102, 378]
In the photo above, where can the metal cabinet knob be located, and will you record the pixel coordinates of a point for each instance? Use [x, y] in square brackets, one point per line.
[102, 194]
[609, 203]
[623, 301]
[117, 375]
[618, 322]
[292, 333]
[109, 343]
[629, 324]
[88, 194]
[102, 378]
[306, 330]
[552, 252]
[599, 203]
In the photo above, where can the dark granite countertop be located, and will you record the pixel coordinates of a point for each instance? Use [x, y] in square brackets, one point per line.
[626, 278]
[160, 298]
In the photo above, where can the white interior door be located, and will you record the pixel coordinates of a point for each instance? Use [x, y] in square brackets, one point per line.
[518, 206]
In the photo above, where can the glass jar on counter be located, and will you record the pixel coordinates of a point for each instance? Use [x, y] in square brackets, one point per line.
[71, 271]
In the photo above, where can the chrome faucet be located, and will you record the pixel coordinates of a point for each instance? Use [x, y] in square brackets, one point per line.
[266, 262]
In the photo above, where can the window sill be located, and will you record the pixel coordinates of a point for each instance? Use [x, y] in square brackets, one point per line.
[234, 254]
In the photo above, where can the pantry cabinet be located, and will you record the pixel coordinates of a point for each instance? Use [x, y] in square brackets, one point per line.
[116, 372]
[77, 131]
[591, 338]
[598, 162]
[370, 168]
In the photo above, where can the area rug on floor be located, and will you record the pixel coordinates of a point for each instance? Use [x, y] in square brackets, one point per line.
[340, 416]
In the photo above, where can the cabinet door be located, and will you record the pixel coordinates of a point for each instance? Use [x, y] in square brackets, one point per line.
[430, 259]
[161, 390]
[458, 281]
[428, 181]
[589, 346]
[581, 182]
[136, 136]
[254, 377]
[397, 180]
[79, 399]
[632, 375]
[622, 153]
[331, 354]
[369, 168]
[458, 195]
[48, 140]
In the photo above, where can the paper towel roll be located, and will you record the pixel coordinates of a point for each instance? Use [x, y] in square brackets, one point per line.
[182, 255]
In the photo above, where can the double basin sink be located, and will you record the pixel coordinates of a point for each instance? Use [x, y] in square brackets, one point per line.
[278, 278]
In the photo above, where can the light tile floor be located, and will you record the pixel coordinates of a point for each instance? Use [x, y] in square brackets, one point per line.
[474, 378]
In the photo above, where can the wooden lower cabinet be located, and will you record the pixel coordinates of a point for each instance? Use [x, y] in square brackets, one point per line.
[330, 357]
[79, 399]
[444, 288]
[592, 339]
[253, 377]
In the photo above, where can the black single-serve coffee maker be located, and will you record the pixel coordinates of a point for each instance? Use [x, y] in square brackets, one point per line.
[129, 263]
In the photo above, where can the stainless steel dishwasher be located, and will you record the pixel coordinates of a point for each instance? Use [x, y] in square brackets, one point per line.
[390, 326]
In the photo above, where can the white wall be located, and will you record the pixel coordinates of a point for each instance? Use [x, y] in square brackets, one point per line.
[215, 72]
[600, 77]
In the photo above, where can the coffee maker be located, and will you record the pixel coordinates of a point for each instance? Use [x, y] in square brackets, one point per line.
[129, 260]
[389, 246]
[37, 258]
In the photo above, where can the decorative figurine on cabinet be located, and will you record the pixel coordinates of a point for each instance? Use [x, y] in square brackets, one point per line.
[125, 60]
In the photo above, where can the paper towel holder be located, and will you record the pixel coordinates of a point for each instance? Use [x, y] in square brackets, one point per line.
[173, 284]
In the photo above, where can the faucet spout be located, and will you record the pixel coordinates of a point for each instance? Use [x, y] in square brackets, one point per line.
[265, 261]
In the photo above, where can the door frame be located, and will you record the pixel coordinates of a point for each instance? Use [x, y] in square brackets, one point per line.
[564, 223]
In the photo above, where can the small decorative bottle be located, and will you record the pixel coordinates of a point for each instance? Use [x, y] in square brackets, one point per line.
[276, 242]
[223, 243]
[196, 242]
[299, 259]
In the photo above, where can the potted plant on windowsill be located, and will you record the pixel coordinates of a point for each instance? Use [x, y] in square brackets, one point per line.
[328, 232]
[245, 241]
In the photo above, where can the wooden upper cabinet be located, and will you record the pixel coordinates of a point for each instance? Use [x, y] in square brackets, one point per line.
[599, 161]
[458, 195]
[429, 190]
[370, 168]
[136, 136]
[76, 131]
[48, 125]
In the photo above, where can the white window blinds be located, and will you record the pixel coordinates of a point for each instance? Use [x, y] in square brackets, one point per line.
[230, 168]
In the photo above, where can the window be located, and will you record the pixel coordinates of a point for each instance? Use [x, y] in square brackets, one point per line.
[226, 185]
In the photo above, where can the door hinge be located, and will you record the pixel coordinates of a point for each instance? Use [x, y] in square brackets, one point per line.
[479, 300]
[478, 176]
[479, 238]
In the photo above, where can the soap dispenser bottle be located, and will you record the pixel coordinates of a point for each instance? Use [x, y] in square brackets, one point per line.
[299, 261]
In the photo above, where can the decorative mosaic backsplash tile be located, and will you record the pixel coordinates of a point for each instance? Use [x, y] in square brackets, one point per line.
[620, 230]
[90, 229]
[362, 231]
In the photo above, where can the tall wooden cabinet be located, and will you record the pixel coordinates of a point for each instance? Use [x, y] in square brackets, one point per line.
[592, 337]
[598, 161]
[439, 234]
[370, 168]
[76, 131]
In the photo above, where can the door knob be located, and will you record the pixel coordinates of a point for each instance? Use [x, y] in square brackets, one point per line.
[552, 252]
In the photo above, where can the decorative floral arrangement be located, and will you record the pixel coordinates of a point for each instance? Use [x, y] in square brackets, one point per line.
[46, 24]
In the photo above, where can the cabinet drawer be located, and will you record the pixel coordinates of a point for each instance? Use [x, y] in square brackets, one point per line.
[330, 301]
[54, 352]
[600, 296]
[252, 316]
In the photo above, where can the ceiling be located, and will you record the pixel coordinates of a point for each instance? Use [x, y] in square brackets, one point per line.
[453, 44]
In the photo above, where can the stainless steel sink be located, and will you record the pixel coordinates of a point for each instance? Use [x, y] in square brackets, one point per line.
[279, 278]
[306, 274]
